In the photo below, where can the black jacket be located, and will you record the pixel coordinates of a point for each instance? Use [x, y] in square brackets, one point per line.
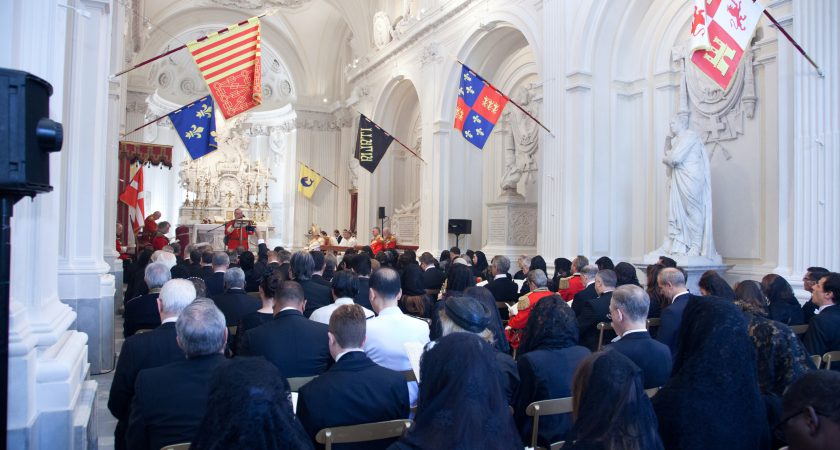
[653, 357]
[591, 314]
[141, 313]
[296, 345]
[316, 295]
[823, 333]
[433, 278]
[588, 293]
[503, 290]
[215, 283]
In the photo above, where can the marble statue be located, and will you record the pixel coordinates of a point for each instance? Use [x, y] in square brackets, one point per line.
[689, 193]
[521, 144]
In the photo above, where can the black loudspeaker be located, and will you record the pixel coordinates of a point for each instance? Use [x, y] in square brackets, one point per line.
[381, 212]
[460, 226]
[27, 135]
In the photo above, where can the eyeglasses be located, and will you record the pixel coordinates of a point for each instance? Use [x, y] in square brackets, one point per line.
[779, 429]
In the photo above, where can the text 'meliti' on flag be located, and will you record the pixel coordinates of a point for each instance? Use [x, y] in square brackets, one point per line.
[371, 144]
[133, 197]
[729, 26]
[479, 107]
[308, 181]
[196, 126]
[230, 64]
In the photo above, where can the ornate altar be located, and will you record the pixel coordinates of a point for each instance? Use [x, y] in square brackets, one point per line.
[218, 183]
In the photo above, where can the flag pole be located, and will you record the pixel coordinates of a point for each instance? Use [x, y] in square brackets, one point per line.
[792, 41]
[163, 116]
[325, 178]
[395, 138]
[505, 96]
[203, 38]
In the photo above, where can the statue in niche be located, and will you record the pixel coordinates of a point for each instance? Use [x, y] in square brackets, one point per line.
[689, 193]
[520, 144]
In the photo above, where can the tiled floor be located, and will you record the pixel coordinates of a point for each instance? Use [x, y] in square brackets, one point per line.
[105, 422]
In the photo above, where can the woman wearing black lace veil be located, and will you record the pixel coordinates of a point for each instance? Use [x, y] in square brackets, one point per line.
[249, 407]
[461, 404]
[549, 356]
[711, 283]
[783, 306]
[712, 400]
[611, 409]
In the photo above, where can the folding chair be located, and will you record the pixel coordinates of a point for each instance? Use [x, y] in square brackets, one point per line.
[799, 330]
[830, 356]
[181, 446]
[817, 360]
[363, 433]
[601, 327]
[547, 408]
[651, 392]
[295, 383]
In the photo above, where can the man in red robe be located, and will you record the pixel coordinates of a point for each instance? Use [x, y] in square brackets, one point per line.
[149, 228]
[390, 239]
[160, 240]
[570, 286]
[377, 244]
[237, 235]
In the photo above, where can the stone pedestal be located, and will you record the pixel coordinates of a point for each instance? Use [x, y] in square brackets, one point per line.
[694, 267]
[511, 227]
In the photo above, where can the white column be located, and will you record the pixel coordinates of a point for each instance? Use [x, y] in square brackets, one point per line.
[815, 235]
[84, 282]
[44, 356]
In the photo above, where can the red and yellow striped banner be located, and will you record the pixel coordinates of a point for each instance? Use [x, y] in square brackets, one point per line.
[229, 61]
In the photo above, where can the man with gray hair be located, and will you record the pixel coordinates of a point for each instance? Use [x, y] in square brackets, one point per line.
[141, 312]
[596, 310]
[146, 350]
[588, 293]
[235, 303]
[171, 400]
[628, 311]
[519, 312]
[671, 282]
[569, 286]
[501, 286]
[216, 282]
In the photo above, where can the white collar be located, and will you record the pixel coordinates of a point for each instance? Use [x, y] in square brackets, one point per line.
[338, 356]
[678, 296]
[634, 330]
[821, 308]
[591, 282]
[169, 319]
[390, 311]
[343, 301]
[501, 275]
[288, 307]
[430, 266]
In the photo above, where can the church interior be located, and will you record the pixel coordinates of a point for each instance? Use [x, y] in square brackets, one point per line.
[574, 168]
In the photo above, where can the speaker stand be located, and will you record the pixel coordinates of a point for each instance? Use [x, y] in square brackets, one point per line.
[457, 237]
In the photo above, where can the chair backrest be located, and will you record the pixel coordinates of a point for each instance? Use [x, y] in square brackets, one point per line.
[546, 408]
[409, 375]
[295, 383]
[143, 330]
[363, 433]
[601, 327]
[232, 330]
[799, 330]
[181, 446]
[817, 359]
[828, 357]
[652, 323]
[255, 294]
[652, 391]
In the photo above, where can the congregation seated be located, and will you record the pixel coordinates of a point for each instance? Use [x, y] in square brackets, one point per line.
[610, 406]
[388, 332]
[268, 284]
[548, 358]
[344, 289]
[320, 264]
[249, 408]
[252, 269]
[812, 412]
[458, 280]
[712, 399]
[461, 404]
[205, 269]
[433, 276]
[587, 275]
[468, 315]
[537, 263]
[485, 297]
[629, 308]
[569, 286]
[360, 265]
[811, 278]
[136, 286]
[712, 284]
[823, 333]
[170, 401]
[354, 390]
[147, 350]
[562, 269]
[671, 285]
[500, 284]
[216, 280]
[301, 269]
[141, 312]
[414, 300]
[784, 307]
[296, 345]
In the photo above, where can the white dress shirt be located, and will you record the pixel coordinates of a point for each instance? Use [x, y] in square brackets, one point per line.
[323, 313]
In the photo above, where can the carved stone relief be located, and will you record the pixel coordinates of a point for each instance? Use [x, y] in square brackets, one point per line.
[261, 4]
[382, 29]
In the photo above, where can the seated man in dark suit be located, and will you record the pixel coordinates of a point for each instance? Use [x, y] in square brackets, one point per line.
[502, 286]
[595, 311]
[629, 309]
[361, 267]
[433, 277]
[354, 390]
[823, 333]
[301, 268]
[170, 401]
[216, 281]
[205, 269]
[235, 303]
[296, 345]
[141, 313]
[320, 265]
[147, 350]
[588, 293]
[671, 282]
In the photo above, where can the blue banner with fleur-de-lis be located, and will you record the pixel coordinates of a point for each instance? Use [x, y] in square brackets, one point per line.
[479, 107]
[196, 125]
